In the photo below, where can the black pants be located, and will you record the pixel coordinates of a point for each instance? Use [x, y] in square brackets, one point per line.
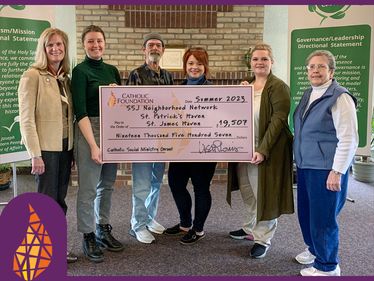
[54, 181]
[201, 174]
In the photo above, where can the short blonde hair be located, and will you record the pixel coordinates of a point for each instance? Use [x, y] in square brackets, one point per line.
[263, 47]
[41, 59]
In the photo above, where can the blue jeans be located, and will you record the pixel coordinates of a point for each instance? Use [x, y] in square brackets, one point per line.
[318, 209]
[147, 180]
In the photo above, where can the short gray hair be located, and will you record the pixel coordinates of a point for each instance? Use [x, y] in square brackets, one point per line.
[323, 53]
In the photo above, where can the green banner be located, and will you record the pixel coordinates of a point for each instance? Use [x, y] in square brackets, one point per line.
[351, 48]
[18, 41]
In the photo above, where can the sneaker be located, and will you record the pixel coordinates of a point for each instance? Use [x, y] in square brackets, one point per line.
[175, 230]
[71, 258]
[155, 227]
[91, 249]
[312, 271]
[106, 240]
[240, 234]
[191, 237]
[258, 251]
[305, 257]
[143, 236]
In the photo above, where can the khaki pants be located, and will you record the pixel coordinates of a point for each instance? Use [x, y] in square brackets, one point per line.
[262, 231]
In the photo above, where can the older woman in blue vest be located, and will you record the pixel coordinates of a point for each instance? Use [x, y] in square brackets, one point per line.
[325, 143]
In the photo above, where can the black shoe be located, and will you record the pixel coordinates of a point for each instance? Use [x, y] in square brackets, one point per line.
[240, 234]
[258, 251]
[91, 249]
[106, 240]
[71, 258]
[175, 230]
[191, 237]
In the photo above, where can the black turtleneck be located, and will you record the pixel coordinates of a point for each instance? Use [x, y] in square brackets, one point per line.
[86, 79]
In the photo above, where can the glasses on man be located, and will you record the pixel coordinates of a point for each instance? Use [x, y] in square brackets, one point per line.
[317, 66]
[151, 45]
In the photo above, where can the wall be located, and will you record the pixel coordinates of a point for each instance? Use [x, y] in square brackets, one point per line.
[275, 30]
[65, 16]
[236, 31]
[227, 44]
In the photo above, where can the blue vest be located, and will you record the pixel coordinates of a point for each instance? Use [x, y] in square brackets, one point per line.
[315, 139]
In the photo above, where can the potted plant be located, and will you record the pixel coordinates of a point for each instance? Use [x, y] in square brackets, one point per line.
[363, 166]
[5, 176]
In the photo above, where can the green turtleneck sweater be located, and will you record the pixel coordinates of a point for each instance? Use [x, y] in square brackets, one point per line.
[86, 79]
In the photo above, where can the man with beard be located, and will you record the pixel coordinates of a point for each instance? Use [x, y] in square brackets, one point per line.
[147, 177]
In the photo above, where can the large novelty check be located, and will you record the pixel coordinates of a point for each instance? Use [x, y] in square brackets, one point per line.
[176, 123]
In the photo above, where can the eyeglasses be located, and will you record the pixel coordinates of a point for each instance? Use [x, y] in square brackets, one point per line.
[317, 66]
[151, 45]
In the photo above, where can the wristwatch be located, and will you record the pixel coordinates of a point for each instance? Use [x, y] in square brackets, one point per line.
[336, 172]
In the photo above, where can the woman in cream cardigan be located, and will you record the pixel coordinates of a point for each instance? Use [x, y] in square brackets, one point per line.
[46, 116]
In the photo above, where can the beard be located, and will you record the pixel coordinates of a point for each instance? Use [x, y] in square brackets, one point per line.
[154, 57]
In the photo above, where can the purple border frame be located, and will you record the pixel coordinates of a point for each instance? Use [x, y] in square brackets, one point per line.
[191, 2]
[174, 2]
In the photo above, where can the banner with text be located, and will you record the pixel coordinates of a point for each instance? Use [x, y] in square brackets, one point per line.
[18, 38]
[351, 48]
[176, 123]
[346, 31]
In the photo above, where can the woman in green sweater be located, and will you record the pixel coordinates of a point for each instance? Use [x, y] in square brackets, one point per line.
[95, 179]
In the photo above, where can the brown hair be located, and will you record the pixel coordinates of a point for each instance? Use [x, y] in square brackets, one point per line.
[92, 28]
[200, 54]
